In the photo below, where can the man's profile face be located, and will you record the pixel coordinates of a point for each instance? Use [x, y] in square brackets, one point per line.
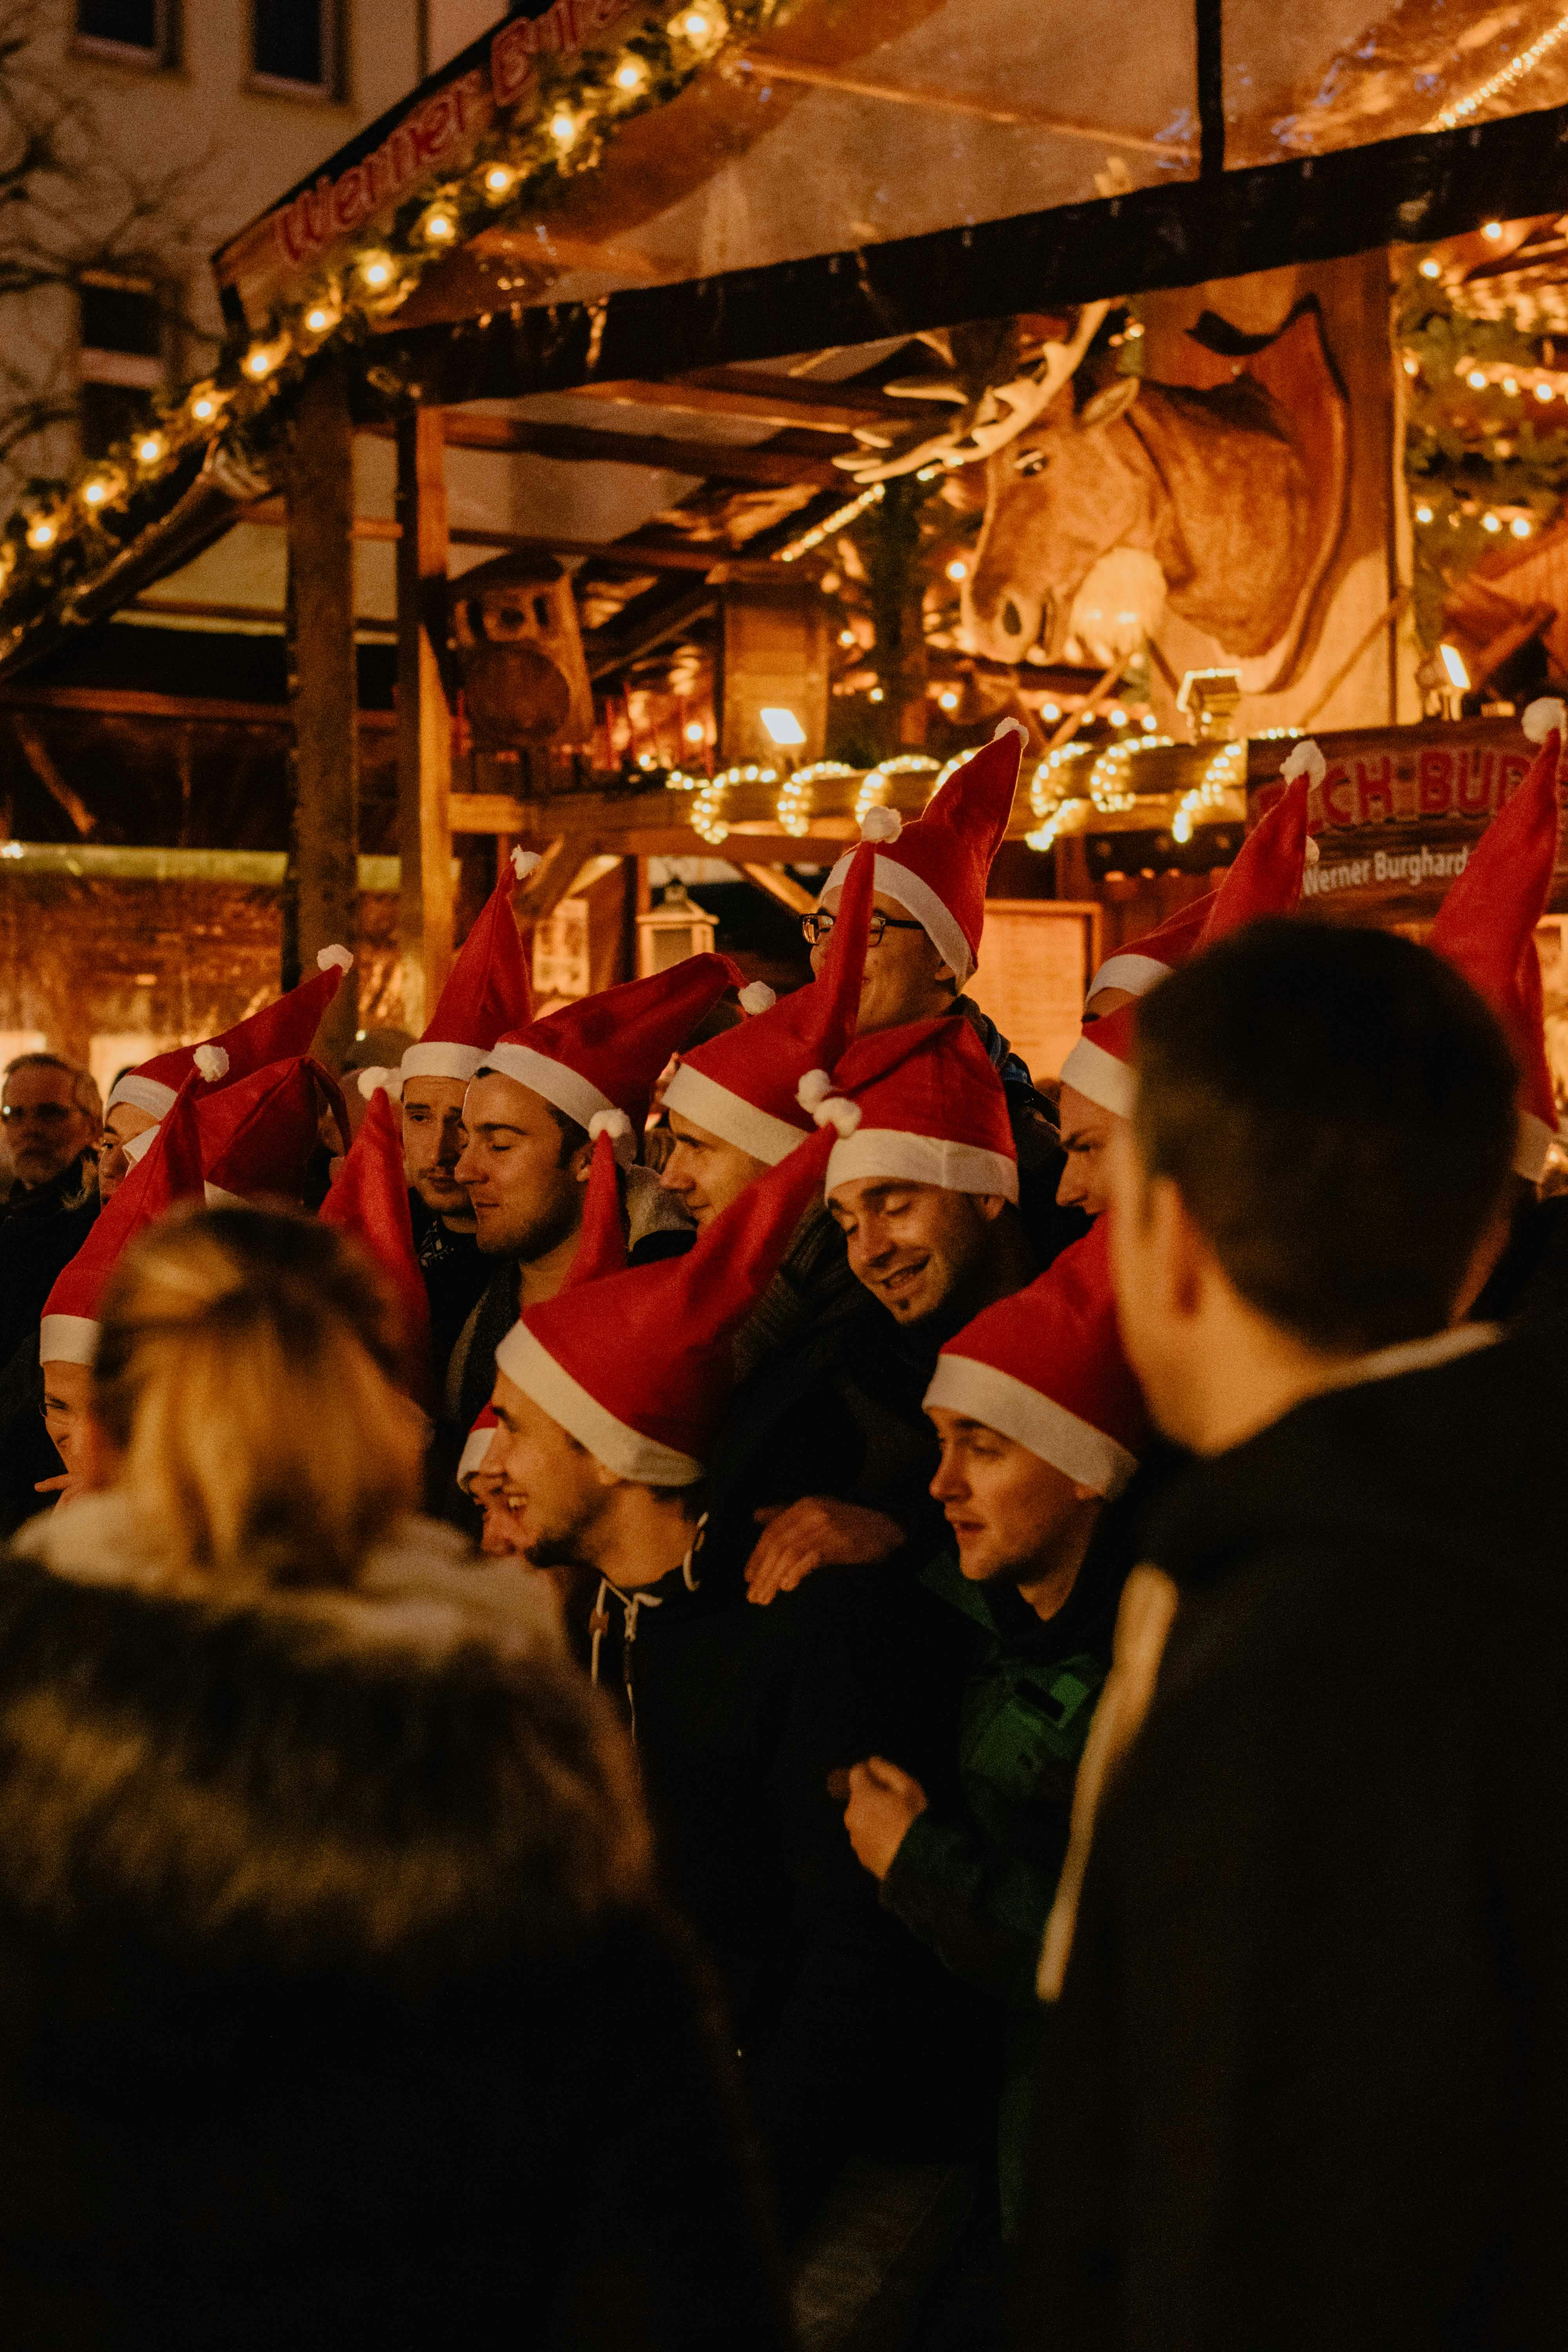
[433, 1141]
[45, 1127]
[526, 1194]
[67, 1390]
[703, 1172]
[1008, 1509]
[552, 1489]
[905, 979]
[1085, 1129]
[124, 1123]
[918, 1248]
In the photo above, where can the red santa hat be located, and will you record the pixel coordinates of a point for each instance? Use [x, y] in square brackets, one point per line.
[637, 1367]
[487, 994]
[602, 1242]
[1266, 879]
[170, 1172]
[918, 1104]
[258, 1134]
[476, 1445]
[608, 1051]
[369, 1202]
[743, 1086]
[276, 1033]
[1045, 1368]
[1486, 928]
[937, 865]
[1141, 963]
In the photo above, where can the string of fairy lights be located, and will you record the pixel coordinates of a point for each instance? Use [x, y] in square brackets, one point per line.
[577, 105]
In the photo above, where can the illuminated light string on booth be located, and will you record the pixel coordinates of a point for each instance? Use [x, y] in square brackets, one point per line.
[873, 791]
[577, 105]
[830, 527]
[797, 795]
[1506, 78]
[1077, 773]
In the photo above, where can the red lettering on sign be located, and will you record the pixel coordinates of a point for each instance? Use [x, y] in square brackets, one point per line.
[1434, 782]
[350, 201]
[1515, 767]
[593, 16]
[392, 166]
[1476, 775]
[436, 125]
[558, 28]
[1335, 784]
[302, 226]
[468, 96]
[511, 62]
[1375, 792]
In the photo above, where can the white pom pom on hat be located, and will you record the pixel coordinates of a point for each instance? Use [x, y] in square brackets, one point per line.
[523, 862]
[1009, 726]
[881, 825]
[839, 1111]
[813, 1088]
[1306, 760]
[333, 959]
[212, 1063]
[1542, 716]
[368, 1080]
[613, 1123]
[756, 997]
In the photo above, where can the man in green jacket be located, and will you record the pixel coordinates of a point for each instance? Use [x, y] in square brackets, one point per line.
[1039, 1419]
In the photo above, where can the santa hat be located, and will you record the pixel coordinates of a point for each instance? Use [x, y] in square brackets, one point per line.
[1266, 879]
[743, 1086]
[921, 1104]
[258, 1136]
[1141, 963]
[1486, 928]
[608, 1051]
[170, 1172]
[369, 1202]
[1045, 1367]
[487, 994]
[602, 1243]
[476, 1445]
[276, 1032]
[637, 1367]
[937, 865]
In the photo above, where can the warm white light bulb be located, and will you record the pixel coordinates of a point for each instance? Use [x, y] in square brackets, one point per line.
[1431, 267]
[958, 569]
[782, 726]
[563, 128]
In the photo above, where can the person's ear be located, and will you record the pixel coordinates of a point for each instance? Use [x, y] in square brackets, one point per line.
[582, 1162]
[602, 1476]
[1082, 1494]
[990, 1205]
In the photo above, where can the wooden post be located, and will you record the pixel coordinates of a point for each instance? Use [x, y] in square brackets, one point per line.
[321, 892]
[424, 721]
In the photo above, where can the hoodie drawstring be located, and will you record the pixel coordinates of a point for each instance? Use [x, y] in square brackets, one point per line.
[599, 1622]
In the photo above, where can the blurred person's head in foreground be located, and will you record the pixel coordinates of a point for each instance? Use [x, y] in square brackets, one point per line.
[52, 1113]
[244, 1400]
[1315, 1170]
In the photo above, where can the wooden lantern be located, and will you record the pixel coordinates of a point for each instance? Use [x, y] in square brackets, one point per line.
[521, 654]
[673, 930]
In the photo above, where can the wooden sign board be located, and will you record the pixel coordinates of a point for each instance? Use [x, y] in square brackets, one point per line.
[561, 959]
[1036, 960]
[1400, 810]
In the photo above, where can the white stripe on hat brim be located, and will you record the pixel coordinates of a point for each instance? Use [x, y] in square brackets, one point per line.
[895, 881]
[524, 1359]
[898, 1154]
[143, 1094]
[1000, 1401]
[67, 1340]
[731, 1116]
[1100, 1078]
[1531, 1146]
[439, 1057]
[556, 1081]
[471, 1460]
[140, 1144]
[1136, 973]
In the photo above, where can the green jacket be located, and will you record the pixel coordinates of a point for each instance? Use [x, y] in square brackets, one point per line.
[977, 1885]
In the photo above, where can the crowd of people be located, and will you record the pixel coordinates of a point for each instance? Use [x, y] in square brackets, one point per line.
[702, 1671]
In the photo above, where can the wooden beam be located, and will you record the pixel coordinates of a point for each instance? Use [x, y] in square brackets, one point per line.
[775, 883]
[424, 903]
[720, 460]
[610, 649]
[486, 813]
[617, 554]
[786, 403]
[321, 892]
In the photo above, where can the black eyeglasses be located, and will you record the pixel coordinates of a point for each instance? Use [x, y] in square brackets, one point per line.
[818, 927]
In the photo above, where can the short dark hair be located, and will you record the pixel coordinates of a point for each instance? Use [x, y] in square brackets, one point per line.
[1338, 1110]
[572, 1135]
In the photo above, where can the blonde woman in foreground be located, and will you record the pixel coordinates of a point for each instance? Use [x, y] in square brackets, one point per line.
[337, 2006]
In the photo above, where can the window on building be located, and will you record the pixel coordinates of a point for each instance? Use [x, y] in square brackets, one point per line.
[295, 44]
[120, 358]
[140, 30]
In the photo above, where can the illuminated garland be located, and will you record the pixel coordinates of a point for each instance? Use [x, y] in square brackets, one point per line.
[838, 521]
[65, 537]
[707, 819]
[1448, 118]
[902, 763]
[797, 798]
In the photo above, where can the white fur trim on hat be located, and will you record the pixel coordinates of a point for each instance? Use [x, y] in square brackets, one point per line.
[1009, 726]
[731, 1116]
[440, 1059]
[140, 1144]
[67, 1340]
[902, 1156]
[1531, 1147]
[1542, 716]
[1131, 971]
[1000, 1401]
[523, 862]
[212, 1063]
[1306, 760]
[388, 1081]
[143, 1094]
[567, 1088]
[895, 881]
[619, 1447]
[1100, 1078]
[880, 824]
[471, 1460]
[333, 959]
[757, 997]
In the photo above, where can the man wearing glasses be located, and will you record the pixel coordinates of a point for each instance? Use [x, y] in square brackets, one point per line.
[48, 1198]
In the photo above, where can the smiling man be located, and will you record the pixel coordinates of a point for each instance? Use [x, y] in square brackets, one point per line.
[1039, 1419]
